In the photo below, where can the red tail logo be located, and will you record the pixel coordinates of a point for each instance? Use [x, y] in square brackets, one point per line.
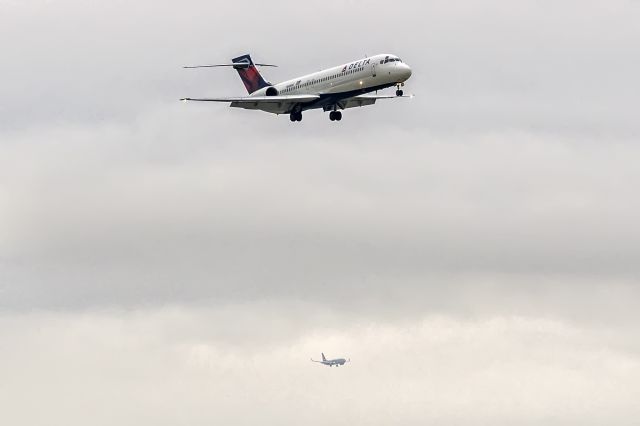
[249, 74]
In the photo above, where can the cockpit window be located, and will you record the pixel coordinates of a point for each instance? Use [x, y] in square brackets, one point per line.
[388, 59]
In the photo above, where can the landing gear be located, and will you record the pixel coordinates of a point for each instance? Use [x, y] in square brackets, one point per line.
[295, 116]
[335, 115]
[399, 92]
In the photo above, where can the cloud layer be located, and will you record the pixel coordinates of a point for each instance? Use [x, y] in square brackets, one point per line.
[175, 366]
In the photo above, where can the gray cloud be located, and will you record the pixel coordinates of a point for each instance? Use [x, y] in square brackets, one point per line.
[235, 217]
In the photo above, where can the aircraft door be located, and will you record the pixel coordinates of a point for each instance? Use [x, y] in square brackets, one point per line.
[373, 70]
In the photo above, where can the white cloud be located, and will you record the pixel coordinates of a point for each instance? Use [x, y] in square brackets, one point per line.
[175, 365]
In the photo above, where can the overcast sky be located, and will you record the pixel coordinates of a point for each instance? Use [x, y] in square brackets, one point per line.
[475, 250]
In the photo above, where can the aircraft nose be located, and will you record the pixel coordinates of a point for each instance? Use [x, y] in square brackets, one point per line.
[405, 71]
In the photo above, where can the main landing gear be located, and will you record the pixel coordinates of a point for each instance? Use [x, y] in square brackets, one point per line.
[295, 116]
[335, 115]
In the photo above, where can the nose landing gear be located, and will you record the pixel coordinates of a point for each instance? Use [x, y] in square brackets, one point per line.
[399, 92]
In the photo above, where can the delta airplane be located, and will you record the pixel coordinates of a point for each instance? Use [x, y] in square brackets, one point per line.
[345, 86]
[331, 362]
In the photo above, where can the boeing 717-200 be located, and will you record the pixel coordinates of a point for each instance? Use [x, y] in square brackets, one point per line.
[334, 89]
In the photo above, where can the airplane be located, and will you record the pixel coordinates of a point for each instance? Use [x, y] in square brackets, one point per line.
[333, 89]
[331, 362]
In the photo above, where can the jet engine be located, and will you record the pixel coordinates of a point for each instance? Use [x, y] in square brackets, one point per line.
[271, 91]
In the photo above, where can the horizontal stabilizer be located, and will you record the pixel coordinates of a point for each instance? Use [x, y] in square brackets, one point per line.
[239, 65]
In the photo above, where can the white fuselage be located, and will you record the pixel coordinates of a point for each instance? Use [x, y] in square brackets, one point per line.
[336, 362]
[350, 79]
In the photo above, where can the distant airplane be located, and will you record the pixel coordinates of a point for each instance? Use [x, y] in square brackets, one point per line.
[333, 89]
[331, 362]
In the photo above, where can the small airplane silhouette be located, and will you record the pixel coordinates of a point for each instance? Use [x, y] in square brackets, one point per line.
[331, 362]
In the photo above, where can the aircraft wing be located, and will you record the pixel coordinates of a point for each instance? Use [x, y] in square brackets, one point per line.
[276, 104]
[260, 99]
[364, 100]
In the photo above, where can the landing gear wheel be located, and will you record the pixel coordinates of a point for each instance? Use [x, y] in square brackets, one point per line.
[338, 115]
[295, 116]
[399, 92]
[332, 116]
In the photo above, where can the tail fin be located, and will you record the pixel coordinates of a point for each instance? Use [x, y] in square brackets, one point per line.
[249, 73]
[323, 358]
